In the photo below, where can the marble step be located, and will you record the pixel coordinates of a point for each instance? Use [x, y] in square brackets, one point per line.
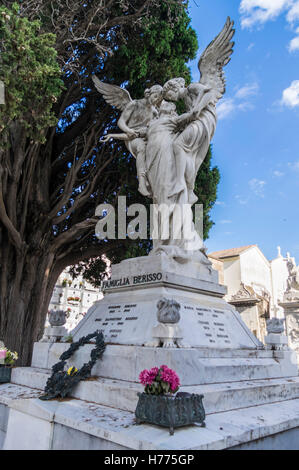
[193, 366]
[217, 397]
[80, 425]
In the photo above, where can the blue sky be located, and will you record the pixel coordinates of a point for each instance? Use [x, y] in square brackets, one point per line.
[256, 141]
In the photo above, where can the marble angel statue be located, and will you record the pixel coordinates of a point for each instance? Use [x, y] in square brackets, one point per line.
[169, 148]
[134, 119]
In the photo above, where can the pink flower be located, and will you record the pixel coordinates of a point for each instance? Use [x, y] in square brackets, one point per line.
[166, 375]
[2, 353]
[169, 376]
[147, 377]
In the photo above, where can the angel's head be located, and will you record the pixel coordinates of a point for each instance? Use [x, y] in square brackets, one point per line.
[172, 89]
[168, 109]
[154, 95]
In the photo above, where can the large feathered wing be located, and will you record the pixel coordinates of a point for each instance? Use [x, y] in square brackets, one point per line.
[215, 57]
[114, 95]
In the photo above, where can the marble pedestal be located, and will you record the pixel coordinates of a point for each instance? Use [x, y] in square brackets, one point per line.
[53, 334]
[251, 393]
[128, 313]
[291, 311]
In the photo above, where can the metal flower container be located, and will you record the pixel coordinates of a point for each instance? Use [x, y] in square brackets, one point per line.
[172, 412]
[5, 374]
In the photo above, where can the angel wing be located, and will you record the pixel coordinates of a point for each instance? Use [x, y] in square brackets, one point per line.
[112, 94]
[215, 57]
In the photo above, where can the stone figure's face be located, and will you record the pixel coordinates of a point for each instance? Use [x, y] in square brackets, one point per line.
[173, 89]
[168, 108]
[156, 95]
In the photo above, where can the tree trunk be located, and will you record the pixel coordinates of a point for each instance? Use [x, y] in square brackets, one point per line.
[27, 282]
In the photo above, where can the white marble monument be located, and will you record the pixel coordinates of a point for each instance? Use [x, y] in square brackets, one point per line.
[166, 308]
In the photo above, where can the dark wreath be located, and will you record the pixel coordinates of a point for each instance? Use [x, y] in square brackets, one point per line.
[60, 384]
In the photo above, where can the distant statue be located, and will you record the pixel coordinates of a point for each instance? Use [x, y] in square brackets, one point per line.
[169, 148]
[292, 292]
[293, 279]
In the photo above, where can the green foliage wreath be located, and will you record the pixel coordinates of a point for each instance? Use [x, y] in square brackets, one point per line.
[61, 383]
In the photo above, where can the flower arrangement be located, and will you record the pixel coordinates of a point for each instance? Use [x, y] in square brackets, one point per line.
[72, 371]
[74, 299]
[7, 358]
[159, 381]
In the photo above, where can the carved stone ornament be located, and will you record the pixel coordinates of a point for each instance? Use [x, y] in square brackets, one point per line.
[291, 296]
[293, 329]
[245, 295]
[168, 311]
[167, 334]
[57, 317]
[275, 326]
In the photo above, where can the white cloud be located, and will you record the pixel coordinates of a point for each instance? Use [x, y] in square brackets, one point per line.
[246, 106]
[239, 102]
[290, 96]
[225, 108]
[293, 13]
[278, 174]
[257, 187]
[261, 11]
[294, 165]
[294, 43]
[247, 90]
[241, 200]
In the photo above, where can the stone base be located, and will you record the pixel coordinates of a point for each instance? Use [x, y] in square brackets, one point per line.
[245, 403]
[76, 424]
[128, 313]
[218, 397]
[53, 334]
[194, 366]
[250, 394]
[276, 342]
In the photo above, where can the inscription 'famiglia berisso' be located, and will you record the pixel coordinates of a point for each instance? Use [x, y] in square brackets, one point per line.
[127, 281]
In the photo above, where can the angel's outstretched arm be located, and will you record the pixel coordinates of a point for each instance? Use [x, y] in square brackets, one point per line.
[186, 118]
[203, 96]
[211, 97]
[107, 137]
[208, 98]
